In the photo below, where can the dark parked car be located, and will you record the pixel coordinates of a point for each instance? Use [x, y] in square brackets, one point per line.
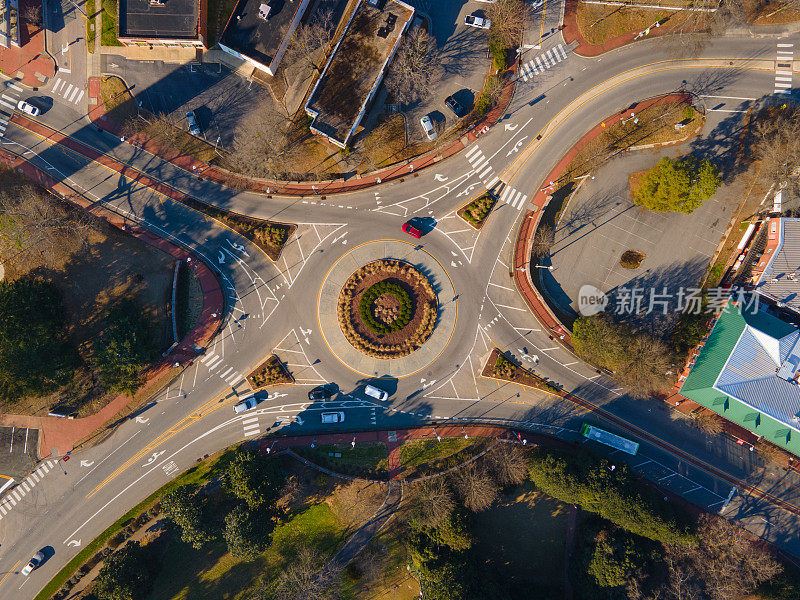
[320, 392]
[454, 105]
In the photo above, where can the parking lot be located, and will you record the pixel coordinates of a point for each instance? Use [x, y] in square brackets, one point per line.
[219, 97]
[18, 447]
[463, 56]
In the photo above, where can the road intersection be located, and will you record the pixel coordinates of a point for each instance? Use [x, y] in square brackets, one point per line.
[275, 307]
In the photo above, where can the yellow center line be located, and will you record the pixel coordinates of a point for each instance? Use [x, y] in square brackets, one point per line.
[208, 408]
[541, 29]
[10, 571]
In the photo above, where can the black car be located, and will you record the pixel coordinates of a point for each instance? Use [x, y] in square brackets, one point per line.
[320, 393]
[454, 105]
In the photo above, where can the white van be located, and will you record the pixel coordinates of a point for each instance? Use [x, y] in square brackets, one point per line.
[246, 403]
[333, 417]
[376, 393]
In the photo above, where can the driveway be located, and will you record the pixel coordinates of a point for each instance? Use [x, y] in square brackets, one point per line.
[219, 97]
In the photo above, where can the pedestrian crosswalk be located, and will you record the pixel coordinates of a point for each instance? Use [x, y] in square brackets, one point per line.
[24, 487]
[8, 103]
[214, 363]
[509, 195]
[783, 68]
[251, 426]
[542, 62]
[68, 91]
[480, 165]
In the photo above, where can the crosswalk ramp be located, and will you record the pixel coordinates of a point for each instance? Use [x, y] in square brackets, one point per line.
[68, 91]
[216, 364]
[8, 103]
[25, 487]
[540, 63]
[783, 68]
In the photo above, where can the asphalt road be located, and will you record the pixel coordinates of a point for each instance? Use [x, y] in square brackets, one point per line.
[274, 307]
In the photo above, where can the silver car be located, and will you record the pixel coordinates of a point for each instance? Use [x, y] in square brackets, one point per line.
[427, 125]
[36, 560]
[28, 109]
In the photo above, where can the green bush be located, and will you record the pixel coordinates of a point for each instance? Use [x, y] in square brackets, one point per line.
[128, 574]
[372, 294]
[127, 347]
[499, 54]
[35, 353]
[614, 495]
[677, 185]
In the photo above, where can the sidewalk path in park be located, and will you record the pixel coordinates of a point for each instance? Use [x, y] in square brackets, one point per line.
[97, 114]
[59, 435]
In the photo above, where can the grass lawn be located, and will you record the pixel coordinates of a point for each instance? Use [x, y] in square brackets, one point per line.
[368, 459]
[427, 456]
[108, 37]
[213, 574]
[523, 536]
[117, 99]
[91, 34]
[599, 23]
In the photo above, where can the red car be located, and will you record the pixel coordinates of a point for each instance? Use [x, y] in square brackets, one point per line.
[411, 230]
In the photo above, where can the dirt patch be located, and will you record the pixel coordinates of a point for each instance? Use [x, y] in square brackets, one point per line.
[631, 259]
[108, 265]
[499, 366]
[271, 372]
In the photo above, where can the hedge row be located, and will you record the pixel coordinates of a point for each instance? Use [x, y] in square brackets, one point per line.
[367, 312]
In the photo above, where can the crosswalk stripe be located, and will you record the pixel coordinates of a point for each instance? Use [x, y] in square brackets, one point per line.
[783, 79]
[481, 159]
[232, 376]
[560, 47]
[51, 464]
[538, 62]
[472, 151]
[254, 432]
[529, 69]
[777, 72]
[250, 420]
[524, 199]
[783, 91]
[34, 477]
[214, 363]
[206, 357]
[516, 199]
[25, 485]
[69, 89]
[74, 93]
[7, 97]
[505, 193]
[782, 85]
[46, 467]
[235, 382]
[523, 75]
[78, 99]
[785, 45]
[485, 172]
[493, 181]
[2, 510]
[554, 57]
[14, 87]
[57, 83]
[251, 426]
[546, 62]
[4, 103]
[225, 374]
[12, 501]
[16, 495]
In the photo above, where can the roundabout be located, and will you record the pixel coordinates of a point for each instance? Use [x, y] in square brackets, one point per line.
[387, 308]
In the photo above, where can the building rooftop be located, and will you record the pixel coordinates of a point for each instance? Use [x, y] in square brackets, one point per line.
[257, 27]
[356, 67]
[748, 372]
[780, 279]
[161, 19]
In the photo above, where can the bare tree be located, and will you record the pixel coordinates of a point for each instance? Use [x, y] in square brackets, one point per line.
[645, 364]
[415, 68]
[543, 239]
[777, 144]
[709, 422]
[476, 487]
[508, 19]
[306, 578]
[311, 37]
[33, 14]
[507, 464]
[431, 501]
[259, 147]
[34, 230]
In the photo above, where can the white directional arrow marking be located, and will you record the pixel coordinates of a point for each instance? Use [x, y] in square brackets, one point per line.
[142, 420]
[439, 177]
[153, 458]
[221, 258]
[517, 146]
[113, 65]
[467, 190]
[510, 126]
[238, 247]
[74, 543]
[87, 463]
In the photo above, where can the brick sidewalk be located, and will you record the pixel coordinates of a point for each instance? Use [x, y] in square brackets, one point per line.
[30, 63]
[97, 113]
[62, 434]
